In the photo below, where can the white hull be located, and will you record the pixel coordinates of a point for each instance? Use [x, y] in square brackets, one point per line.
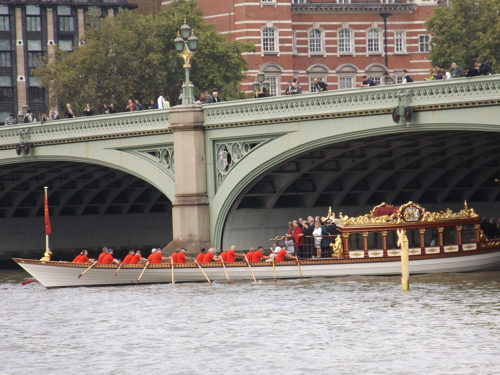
[63, 274]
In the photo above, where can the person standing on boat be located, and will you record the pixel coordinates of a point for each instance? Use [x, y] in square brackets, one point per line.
[201, 255]
[108, 259]
[308, 233]
[232, 255]
[297, 238]
[102, 255]
[129, 257]
[317, 232]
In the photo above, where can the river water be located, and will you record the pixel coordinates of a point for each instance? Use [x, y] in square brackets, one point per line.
[445, 324]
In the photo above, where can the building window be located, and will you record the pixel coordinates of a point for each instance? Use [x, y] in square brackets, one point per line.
[387, 1]
[269, 40]
[345, 38]
[33, 23]
[5, 60]
[66, 19]
[66, 45]
[4, 23]
[399, 41]
[343, 1]
[66, 24]
[315, 41]
[4, 45]
[345, 83]
[399, 79]
[312, 86]
[373, 40]
[34, 59]
[36, 95]
[299, 1]
[6, 90]
[32, 10]
[424, 43]
[267, 1]
[4, 9]
[274, 85]
[34, 45]
[376, 79]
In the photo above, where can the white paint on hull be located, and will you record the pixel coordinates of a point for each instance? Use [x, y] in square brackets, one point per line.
[60, 274]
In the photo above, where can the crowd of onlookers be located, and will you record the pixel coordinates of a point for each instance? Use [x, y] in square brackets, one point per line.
[132, 106]
[292, 88]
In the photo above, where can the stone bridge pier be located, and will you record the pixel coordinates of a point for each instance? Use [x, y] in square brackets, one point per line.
[190, 211]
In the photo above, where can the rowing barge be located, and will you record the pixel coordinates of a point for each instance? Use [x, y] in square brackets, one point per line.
[438, 242]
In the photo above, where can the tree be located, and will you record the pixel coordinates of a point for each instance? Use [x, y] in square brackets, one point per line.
[132, 56]
[217, 64]
[465, 31]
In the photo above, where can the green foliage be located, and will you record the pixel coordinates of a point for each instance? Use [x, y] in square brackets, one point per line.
[217, 64]
[466, 31]
[132, 56]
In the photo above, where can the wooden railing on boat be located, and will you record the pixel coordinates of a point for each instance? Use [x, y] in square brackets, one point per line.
[425, 240]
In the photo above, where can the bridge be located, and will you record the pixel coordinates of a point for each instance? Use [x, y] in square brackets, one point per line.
[237, 172]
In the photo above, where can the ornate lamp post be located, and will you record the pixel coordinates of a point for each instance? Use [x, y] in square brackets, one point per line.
[186, 44]
[261, 81]
[22, 113]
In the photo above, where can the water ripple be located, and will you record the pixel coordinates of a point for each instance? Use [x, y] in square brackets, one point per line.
[446, 324]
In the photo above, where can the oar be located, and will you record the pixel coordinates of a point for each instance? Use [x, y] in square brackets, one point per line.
[274, 271]
[26, 282]
[203, 272]
[144, 269]
[120, 266]
[172, 264]
[225, 271]
[84, 272]
[300, 269]
[251, 271]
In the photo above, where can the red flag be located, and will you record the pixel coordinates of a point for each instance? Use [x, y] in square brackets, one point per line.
[48, 229]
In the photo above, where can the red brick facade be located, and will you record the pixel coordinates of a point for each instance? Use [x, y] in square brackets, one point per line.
[334, 40]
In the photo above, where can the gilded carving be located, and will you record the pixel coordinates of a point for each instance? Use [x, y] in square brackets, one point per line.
[409, 212]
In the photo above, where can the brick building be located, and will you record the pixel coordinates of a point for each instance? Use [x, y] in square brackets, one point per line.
[29, 29]
[336, 41]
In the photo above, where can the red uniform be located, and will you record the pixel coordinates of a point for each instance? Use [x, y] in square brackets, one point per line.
[155, 258]
[101, 257]
[83, 259]
[200, 257]
[108, 259]
[223, 255]
[281, 255]
[77, 259]
[297, 239]
[174, 257]
[231, 257]
[135, 259]
[257, 255]
[128, 258]
[150, 257]
[249, 256]
[181, 258]
[208, 257]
